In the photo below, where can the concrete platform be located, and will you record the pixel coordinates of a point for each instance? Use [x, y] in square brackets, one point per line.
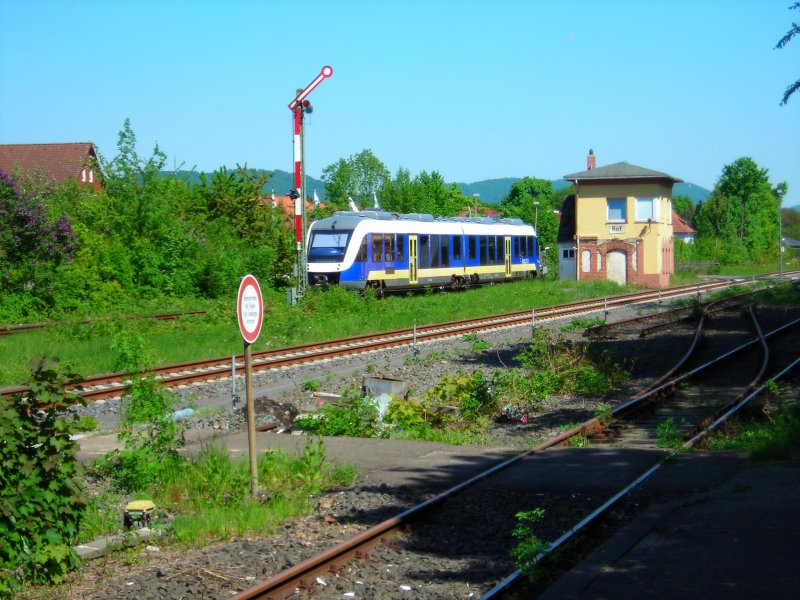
[736, 537]
[732, 532]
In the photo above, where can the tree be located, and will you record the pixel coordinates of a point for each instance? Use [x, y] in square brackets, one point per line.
[358, 177]
[741, 215]
[795, 30]
[685, 208]
[561, 194]
[32, 244]
[235, 198]
[519, 203]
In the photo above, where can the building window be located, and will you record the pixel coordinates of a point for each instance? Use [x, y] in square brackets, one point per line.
[646, 209]
[599, 261]
[91, 175]
[569, 253]
[586, 261]
[617, 209]
[83, 176]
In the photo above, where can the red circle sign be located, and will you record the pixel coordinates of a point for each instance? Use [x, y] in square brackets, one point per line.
[250, 309]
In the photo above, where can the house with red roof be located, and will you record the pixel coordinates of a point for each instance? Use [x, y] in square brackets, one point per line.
[62, 162]
[681, 230]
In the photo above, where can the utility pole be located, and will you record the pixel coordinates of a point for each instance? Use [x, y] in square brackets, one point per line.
[299, 106]
[780, 235]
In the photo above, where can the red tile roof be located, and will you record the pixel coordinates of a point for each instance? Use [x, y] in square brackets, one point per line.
[286, 204]
[679, 225]
[61, 161]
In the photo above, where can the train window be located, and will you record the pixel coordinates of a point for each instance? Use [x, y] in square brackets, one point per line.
[401, 248]
[516, 251]
[457, 242]
[389, 247]
[328, 239]
[501, 250]
[445, 251]
[362, 251]
[473, 247]
[377, 247]
[492, 247]
[424, 251]
[435, 255]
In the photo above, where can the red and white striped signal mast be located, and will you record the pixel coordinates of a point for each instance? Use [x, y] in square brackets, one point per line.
[299, 106]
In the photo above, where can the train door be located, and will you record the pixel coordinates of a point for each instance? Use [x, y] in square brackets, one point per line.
[412, 259]
[508, 256]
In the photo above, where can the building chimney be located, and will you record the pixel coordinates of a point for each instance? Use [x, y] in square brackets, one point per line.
[591, 162]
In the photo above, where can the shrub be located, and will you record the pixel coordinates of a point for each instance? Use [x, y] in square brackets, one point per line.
[152, 439]
[469, 395]
[354, 417]
[529, 547]
[40, 488]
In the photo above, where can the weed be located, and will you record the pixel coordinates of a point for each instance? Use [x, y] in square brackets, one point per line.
[529, 548]
[765, 441]
[310, 385]
[86, 423]
[152, 439]
[668, 433]
[354, 417]
[581, 323]
[603, 412]
[480, 345]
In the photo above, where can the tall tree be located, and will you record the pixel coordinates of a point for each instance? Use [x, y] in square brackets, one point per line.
[793, 31]
[742, 211]
[531, 200]
[357, 178]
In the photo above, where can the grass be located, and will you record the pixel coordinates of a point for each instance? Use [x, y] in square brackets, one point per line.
[764, 440]
[95, 348]
[209, 495]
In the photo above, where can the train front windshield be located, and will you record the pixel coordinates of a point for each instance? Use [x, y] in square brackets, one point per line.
[328, 246]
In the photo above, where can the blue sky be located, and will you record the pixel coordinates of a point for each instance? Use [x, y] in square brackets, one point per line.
[472, 89]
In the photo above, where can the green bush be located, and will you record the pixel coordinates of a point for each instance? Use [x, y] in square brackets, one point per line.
[152, 439]
[40, 487]
[469, 395]
[354, 417]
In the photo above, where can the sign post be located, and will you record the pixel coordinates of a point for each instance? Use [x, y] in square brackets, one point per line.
[250, 312]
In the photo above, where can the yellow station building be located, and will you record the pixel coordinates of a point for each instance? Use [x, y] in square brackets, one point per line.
[618, 225]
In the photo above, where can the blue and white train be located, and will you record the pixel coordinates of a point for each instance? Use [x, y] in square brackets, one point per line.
[389, 252]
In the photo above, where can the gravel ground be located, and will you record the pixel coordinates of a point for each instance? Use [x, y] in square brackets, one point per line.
[220, 569]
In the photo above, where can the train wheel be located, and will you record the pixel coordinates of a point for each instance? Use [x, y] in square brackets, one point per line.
[377, 287]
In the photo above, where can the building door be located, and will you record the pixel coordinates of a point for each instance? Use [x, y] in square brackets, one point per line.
[412, 259]
[566, 261]
[617, 266]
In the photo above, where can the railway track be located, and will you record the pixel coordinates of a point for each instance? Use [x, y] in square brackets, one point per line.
[25, 327]
[113, 385]
[468, 527]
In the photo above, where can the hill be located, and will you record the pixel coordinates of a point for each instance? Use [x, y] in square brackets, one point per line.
[280, 182]
[491, 191]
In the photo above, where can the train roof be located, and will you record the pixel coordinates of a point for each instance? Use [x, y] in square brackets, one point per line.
[349, 219]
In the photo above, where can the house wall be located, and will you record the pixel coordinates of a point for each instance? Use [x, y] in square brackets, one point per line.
[647, 244]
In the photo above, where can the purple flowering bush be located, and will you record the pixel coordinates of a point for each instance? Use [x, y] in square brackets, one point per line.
[32, 245]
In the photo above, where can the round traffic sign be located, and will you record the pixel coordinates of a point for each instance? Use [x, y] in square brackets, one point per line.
[250, 309]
